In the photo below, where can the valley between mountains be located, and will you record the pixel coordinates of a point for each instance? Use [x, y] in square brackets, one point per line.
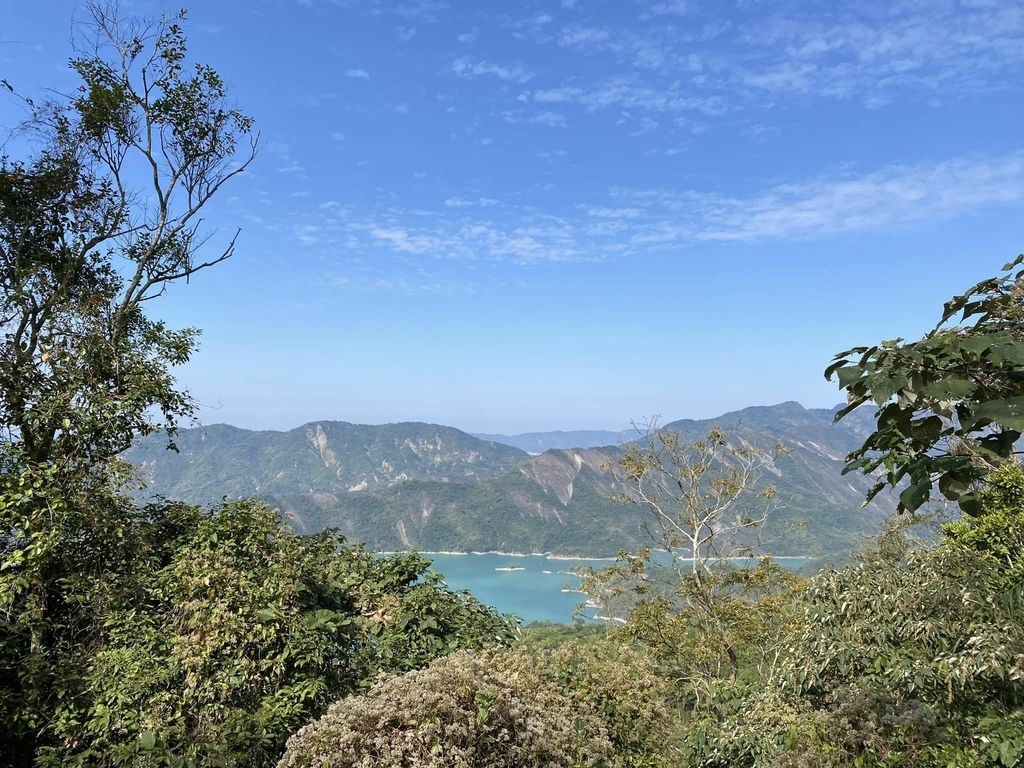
[435, 488]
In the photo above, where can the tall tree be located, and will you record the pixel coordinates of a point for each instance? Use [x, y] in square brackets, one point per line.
[101, 220]
[98, 221]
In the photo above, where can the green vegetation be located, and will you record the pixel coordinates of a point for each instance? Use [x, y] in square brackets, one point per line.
[910, 658]
[590, 705]
[210, 638]
[158, 635]
[951, 404]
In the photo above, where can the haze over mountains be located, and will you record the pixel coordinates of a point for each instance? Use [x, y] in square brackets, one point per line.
[538, 442]
[439, 489]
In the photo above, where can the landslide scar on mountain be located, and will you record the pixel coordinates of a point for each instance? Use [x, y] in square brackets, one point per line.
[555, 471]
[318, 438]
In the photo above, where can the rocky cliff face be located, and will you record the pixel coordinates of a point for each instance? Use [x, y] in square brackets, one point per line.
[555, 472]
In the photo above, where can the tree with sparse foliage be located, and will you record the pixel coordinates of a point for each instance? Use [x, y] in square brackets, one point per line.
[951, 405]
[706, 500]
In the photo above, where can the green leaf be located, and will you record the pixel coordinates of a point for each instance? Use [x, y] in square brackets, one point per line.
[147, 741]
[950, 389]
[1012, 353]
[1007, 413]
[952, 486]
[848, 375]
[916, 495]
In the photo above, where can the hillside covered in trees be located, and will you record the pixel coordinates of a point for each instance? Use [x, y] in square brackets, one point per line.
[438, 489]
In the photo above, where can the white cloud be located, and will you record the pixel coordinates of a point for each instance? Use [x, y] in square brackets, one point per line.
[873, 51]
[423, 11]
[622, 223]
[552, 119]
[417, 284]
[630, 93]
[402, 240]
[673, 8]
[466, 67]
[359, 74]
[456, 202]
[615, 213]
[892, 197]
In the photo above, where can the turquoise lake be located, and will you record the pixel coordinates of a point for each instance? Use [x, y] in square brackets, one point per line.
[534, 593]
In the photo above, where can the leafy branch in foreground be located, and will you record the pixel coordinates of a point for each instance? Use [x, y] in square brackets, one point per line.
[951, 405]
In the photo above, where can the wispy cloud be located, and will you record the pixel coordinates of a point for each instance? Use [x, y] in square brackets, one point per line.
[673, 8]
[873, 51]
[632, 93]
[633, 222]
[358, 74]
[411, 283]
[423, 11]
[892, 197]
[467, 67]
[456, 202]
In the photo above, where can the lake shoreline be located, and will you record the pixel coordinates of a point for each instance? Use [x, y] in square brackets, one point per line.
[552, 556]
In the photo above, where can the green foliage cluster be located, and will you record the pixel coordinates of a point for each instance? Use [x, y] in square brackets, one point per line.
[208, 638]
[593, 705]
[909, 658]
[951, 405]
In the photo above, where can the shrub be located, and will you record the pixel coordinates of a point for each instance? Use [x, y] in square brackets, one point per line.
[592, 706]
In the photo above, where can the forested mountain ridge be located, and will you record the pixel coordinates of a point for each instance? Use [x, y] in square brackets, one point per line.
[320, 457]
[437, 488]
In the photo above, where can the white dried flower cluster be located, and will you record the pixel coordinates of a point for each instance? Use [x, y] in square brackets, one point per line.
[572, 707]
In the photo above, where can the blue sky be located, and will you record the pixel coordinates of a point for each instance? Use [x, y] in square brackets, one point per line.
[570, 214]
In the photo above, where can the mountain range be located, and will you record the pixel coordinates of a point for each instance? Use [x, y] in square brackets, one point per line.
[437, 488]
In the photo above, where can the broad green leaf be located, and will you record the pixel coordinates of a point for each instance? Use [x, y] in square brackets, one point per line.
[916, 495]
[950, 389]
[1007, 413]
